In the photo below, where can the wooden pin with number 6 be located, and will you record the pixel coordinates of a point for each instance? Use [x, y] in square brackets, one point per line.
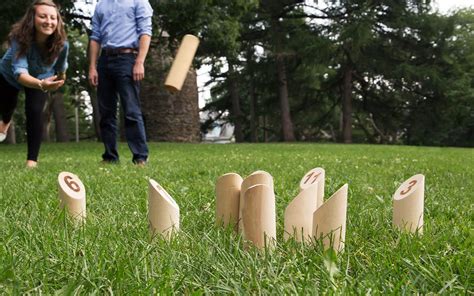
[72, 195]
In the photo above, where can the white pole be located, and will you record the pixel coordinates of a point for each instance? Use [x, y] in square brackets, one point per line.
[76, 111]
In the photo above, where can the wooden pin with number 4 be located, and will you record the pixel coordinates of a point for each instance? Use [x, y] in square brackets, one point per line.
[408, 205]
[72, 195]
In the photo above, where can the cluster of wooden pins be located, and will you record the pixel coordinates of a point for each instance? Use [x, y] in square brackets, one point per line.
[248, 205]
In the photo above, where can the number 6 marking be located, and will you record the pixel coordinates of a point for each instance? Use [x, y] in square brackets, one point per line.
[72, 184]
[411, 184]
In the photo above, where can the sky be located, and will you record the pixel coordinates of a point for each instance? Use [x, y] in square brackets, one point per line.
[447, 5]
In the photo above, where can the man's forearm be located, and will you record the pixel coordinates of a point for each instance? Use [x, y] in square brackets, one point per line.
[143, 47]
[94, 49]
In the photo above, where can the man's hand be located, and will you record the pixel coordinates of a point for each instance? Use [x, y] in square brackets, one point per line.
[138, 71]
[93, 77]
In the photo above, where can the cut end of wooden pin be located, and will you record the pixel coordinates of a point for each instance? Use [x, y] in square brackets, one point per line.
[172, 89]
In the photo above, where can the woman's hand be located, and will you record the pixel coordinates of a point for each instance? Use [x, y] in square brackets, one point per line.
[51, 84]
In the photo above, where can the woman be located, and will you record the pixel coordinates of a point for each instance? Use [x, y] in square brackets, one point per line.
[36, 61]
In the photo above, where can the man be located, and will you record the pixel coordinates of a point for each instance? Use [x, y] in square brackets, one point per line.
[121, 33]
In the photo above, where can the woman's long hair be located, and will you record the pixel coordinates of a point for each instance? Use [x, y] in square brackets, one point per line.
[23, 32]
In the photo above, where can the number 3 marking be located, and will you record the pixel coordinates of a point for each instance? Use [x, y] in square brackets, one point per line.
[411, 184]
[72, 184]
[314, 178]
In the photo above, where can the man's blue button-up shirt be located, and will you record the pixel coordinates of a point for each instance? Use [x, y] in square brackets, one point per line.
[120, 23]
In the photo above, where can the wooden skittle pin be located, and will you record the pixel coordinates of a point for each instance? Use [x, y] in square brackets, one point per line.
[72, 195]
[182, 63]
[329, 220]
[408, 205]
[257, 177]
[299, 214]
[228, 200]
[163, 211]
[259, 216]
[315, 175]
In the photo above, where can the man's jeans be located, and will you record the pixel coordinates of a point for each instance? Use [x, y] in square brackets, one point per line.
[116, 80]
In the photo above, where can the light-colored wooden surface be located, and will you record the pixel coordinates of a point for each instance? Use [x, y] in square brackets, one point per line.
[259, 216]
[408, 205]
[299, 214]
[182, 62]
[72, 195]
[163, 211]
[257, 177]
[228, 200]
[315, 175]
[329, 220]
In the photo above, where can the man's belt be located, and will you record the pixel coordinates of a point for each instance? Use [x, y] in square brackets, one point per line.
[118, 51]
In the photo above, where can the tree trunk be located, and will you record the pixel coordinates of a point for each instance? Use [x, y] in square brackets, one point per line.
[236, 111]
[253, 117]
[347, 106]
[286, 123]
[62, 134]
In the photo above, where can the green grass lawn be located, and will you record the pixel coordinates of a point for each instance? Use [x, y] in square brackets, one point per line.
[41, 252]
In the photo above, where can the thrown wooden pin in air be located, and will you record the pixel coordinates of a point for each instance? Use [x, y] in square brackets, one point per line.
[257, 177]
[72, 196]
[228, 200]
[299, 214]
[329, 220]
[182, 62]
[408, 205]
[259, 216]
[163, 211]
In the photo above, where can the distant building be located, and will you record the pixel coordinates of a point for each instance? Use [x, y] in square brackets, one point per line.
[221, 132]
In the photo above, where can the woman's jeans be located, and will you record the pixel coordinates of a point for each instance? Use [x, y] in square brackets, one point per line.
[34, 104]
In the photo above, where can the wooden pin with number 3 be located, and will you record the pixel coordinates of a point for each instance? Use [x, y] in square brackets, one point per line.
[408, 205]
[72, 195]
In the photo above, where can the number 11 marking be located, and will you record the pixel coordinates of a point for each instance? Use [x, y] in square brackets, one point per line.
[314, 178]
